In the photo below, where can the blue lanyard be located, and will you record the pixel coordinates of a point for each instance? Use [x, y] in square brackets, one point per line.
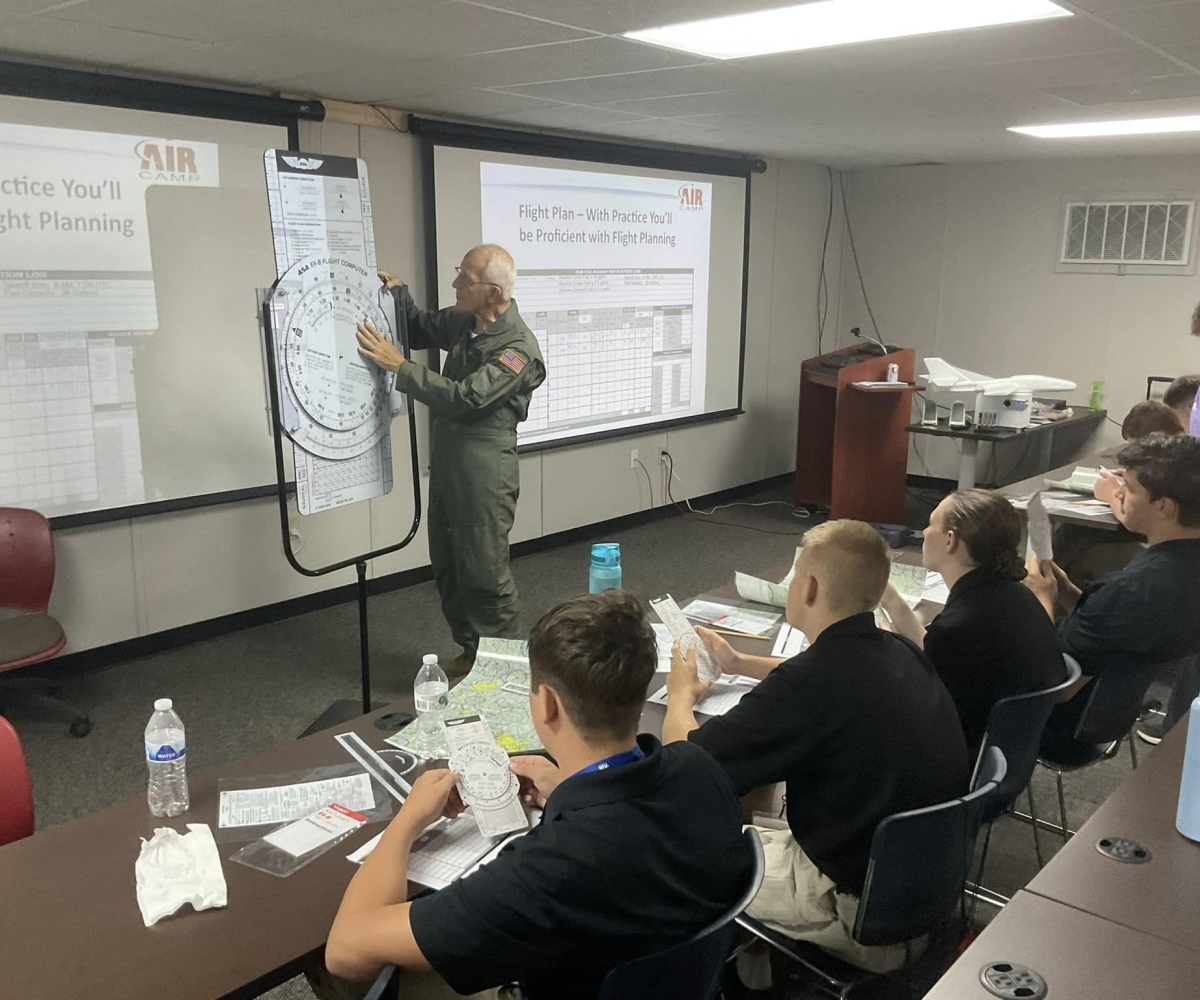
[616, 760]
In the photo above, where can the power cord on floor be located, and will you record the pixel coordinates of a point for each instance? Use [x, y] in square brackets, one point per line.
[705, 516]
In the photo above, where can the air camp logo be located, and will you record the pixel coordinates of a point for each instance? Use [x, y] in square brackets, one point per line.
[691, 198]
[166, 163]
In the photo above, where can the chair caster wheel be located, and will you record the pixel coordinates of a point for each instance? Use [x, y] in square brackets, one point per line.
[81, 727]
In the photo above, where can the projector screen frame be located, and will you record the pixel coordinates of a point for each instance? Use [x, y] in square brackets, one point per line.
[434, 132]
[104, 90]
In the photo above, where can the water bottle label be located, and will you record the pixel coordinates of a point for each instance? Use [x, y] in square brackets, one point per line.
[427, 704]
[159, 753]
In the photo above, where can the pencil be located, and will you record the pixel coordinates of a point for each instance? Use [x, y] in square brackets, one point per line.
[740, 635]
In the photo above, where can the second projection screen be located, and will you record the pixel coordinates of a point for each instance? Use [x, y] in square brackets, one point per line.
[629, 278]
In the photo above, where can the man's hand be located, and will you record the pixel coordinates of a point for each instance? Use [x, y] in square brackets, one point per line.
[390, 281]
[892, 600]
[1039, 578]
[684, 686]
[725, 655]
[1108, 485]
[538, 778]
[427, 801]
[1068, 593]
[377, 348]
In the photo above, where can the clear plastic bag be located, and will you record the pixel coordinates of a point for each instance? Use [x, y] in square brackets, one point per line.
[264, 856]
[288, 797]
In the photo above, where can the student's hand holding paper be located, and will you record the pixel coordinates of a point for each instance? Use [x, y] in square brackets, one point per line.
[725, 655]
[428, 799]
[1107, 485]
[538, 778]
[1068, 593]
[684, 686]
[1040, 579]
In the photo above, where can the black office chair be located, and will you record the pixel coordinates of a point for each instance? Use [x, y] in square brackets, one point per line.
[692, 970]
[688, 971]
[1114, 705]
[915, 878]
[1015, 726]
[386, 986]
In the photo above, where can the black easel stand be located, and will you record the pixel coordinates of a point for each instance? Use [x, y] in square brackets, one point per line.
[340, 711]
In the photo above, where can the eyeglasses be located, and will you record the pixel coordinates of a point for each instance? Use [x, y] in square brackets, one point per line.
[458, 273]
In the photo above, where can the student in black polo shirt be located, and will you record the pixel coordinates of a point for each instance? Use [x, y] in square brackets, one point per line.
[1149, 612]
[992, 640]
[639, 846]
[859, 726]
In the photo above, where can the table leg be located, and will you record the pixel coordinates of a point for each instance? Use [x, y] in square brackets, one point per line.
[1045, 450]
[966, 465]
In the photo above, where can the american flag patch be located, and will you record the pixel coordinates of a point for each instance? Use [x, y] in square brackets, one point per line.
[513, 362]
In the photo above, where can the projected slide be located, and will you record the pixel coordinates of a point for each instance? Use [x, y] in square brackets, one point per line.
[76, 290]
[613, 279]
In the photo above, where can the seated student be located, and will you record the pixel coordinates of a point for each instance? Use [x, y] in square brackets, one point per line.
[1181, 397]
[1149, 612]
[639, 846]
[992, 640]
[859, 726]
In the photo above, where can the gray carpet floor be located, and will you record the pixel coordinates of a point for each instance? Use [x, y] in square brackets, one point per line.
[249, 690]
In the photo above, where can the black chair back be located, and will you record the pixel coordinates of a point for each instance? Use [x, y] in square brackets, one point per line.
[386, 986]
[1114, 703]
[691, 970]
[919, 862]
[1015, 726]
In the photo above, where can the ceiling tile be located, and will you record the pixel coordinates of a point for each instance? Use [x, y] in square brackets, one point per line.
[222, 20]
[91, 45]
[615, 16]
[1183, 85]
[19, 8]
[630, 86]
[1169, 24]
[446, 29]
[708, 102]
[566, 116]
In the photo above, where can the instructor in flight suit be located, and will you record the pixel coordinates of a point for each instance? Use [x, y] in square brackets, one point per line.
[481, 395]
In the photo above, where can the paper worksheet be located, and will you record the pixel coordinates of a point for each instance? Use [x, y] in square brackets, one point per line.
[753, 588]
[447, 851]
[487, 784]
[909, 581]
[284, 803]
[1039, 543]
[790, 642]
[936, 591]
[718, 699]
[716, 615]
[681, 630]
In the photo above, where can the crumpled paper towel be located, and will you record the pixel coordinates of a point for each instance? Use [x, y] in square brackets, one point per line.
[174, 868]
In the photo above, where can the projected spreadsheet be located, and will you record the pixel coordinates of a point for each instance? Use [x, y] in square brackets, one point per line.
[68, 421]
[617, 345]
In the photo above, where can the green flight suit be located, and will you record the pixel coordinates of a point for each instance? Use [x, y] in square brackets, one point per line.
[476, 403]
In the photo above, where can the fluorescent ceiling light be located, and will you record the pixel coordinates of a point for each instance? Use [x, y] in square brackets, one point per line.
[1130, 126]
[838, 22]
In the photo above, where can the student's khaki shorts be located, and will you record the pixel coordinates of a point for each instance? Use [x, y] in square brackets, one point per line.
[799, 901]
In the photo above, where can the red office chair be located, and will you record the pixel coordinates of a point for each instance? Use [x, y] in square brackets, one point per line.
[26, 579]
[16, 790]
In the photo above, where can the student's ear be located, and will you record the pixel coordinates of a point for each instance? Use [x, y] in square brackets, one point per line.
[952, 542]
[810, 591]
[1168, 508]
[545, 705]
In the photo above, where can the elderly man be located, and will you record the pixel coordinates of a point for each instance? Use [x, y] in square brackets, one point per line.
[481, 395]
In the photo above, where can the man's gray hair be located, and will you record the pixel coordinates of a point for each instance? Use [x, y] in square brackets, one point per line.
[498, 268]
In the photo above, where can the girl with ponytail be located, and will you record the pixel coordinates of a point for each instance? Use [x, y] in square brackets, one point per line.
[991, 641]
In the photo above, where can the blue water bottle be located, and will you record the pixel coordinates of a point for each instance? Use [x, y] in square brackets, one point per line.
[605, 573]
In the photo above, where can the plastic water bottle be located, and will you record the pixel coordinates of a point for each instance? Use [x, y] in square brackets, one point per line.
[1187, 817]
[431, 692]
[1097, 400]
[605, 573]
[166, 757]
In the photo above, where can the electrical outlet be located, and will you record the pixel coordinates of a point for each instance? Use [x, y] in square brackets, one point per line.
[662, 456]
[633, 458]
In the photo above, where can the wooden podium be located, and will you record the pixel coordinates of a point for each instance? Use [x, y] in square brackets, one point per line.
[851, 446]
